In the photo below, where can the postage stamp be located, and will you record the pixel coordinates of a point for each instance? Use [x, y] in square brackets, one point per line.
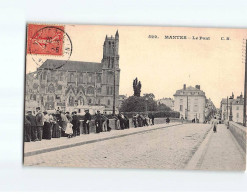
[45, 39]
[47, 42]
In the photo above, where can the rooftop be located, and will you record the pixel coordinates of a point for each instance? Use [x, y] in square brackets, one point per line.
[72, 65]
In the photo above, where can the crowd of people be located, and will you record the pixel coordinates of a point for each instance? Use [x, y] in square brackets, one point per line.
[53, 125]
[44, 125]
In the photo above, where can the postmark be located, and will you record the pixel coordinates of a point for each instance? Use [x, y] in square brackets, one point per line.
[48, 41]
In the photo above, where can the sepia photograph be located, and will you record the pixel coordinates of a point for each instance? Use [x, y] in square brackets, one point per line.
[142, 97]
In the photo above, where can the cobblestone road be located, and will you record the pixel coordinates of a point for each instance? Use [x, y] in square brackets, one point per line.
[169, 148]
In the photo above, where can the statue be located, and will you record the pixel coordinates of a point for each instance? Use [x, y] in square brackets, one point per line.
[137, 88]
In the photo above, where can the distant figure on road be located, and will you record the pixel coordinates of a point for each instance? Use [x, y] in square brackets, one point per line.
[182, 119]
[167, 120]
[214, 124]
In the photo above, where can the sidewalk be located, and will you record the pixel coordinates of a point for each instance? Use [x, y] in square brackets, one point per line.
[222, 152]
[34, 148]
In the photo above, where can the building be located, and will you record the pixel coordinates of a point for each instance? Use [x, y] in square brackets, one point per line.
[237, 105]
[77, 85]
[210, 109]
[169, 102]
[190, 102]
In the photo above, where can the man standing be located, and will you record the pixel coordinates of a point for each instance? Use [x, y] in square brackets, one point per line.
[214, 124]
[32, 120]
[86, 121]
[76, 124]
[98, 122]
[40, 123]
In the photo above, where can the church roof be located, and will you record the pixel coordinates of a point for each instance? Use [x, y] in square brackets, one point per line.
[72, 65]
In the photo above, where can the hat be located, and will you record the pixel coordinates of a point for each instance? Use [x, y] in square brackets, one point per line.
[86, 110]
[98, 111]
[38, 108]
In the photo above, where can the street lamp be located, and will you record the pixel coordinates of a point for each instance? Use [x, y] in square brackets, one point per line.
[230, 116]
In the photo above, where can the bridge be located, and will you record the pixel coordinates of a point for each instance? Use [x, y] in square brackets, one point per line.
[162, 146]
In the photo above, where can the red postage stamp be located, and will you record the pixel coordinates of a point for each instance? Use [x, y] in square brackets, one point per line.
[45, 39]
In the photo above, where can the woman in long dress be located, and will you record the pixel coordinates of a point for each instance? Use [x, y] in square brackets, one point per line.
[56, 130]
[47, 127]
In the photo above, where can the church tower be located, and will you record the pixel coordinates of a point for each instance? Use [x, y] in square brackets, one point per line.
[110, 72]
[110, 52]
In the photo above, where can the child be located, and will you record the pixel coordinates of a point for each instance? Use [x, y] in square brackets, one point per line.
[69, 130]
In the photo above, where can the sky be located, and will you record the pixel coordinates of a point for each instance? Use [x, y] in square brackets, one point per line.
[164, 65]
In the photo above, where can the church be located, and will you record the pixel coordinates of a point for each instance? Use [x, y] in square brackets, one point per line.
[77, 85]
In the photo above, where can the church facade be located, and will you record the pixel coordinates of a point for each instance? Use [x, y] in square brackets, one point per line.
[76, 85]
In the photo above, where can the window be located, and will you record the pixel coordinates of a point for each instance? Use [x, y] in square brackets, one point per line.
[237, 108]
[181, 108]
[71, 77]
[98, 78]
[109, 90]
[195, 108]
[181, 101]
[80, 80]
[99, 91]
[99, 101]
[90, 78]
[237, 115]
[51, 88]
[90, 101]
[109, 102]
[90, 90]
[71, 101]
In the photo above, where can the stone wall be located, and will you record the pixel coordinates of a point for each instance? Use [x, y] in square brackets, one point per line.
[113, 127]
[239, 132]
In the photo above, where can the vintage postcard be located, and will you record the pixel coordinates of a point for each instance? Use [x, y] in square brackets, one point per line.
[135, 97]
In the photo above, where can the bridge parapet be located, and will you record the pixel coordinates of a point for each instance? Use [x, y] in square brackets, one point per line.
[239, 132]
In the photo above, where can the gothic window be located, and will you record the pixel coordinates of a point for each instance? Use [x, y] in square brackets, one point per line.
[48, 76]
[35, 86]
[80, 101]
[99, 91]
[107, 90]
[51, 88]
[34, 97]
[71, 77]
[109, 77]
[109, 102]
[60, 76]
[98, 78]
[90, 101]
[98, 101]
[90, 78]
[80, 80]
[90, 90]
[111, 90]
[71, 101]
[44, 75]
[59, 87]
[181, 108]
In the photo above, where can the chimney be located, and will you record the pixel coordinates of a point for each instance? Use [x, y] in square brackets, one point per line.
[198, 87]
[184, 86]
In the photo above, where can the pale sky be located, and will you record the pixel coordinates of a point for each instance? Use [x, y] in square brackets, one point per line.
[164, 65]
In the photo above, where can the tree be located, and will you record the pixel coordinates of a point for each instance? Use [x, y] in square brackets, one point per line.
[138, 104]
[137, 87]
[149, 95]
[163, 107]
